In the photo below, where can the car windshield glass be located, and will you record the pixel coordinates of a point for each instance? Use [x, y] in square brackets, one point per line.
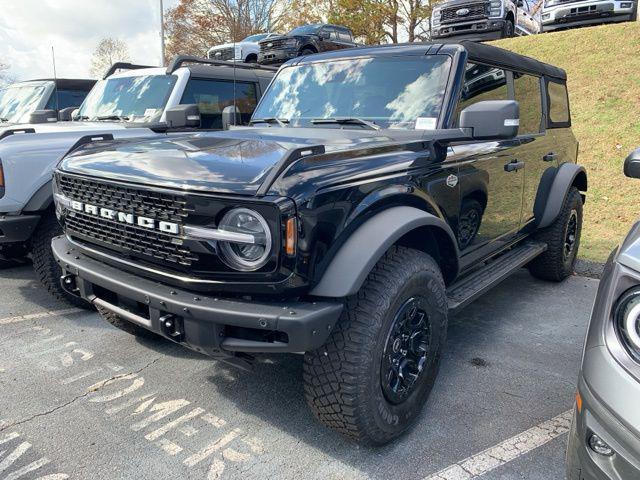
[255, 38]
[305, 30]
[392, 92]
[17, 102]
[134, 99]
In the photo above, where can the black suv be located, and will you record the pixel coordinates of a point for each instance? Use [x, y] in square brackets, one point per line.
[378, 190]
[305, 40]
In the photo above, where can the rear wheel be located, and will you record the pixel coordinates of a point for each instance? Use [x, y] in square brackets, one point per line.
[373, 375]
[634, 14]
[47, 269]
[126, 326]
[563, 240]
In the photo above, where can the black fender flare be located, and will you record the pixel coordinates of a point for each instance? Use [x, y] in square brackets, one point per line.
[350, 266]
[41, 200]
[568, 174]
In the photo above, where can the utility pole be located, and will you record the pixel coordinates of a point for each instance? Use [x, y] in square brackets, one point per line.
[161, 34]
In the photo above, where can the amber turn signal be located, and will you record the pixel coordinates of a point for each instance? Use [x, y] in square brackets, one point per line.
[578, 402]
[290, 237]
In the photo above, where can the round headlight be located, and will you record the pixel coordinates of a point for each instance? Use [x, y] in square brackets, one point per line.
[628, 322]
[242, 255]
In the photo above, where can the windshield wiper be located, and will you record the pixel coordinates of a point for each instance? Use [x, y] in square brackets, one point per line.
[81, 117]
[2, 119]
[282, 122]
[113, 117]
[346, 121]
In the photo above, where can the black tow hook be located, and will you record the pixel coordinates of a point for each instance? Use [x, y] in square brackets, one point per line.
[172, 326]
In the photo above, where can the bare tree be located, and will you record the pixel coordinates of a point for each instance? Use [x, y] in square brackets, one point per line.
[108, 51]
[194, 26]
[5, 77]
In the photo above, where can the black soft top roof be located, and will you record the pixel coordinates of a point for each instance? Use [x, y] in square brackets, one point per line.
[476, 51]
[507, 59]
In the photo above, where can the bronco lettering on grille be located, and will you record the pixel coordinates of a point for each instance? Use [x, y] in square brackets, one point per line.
[128, 218]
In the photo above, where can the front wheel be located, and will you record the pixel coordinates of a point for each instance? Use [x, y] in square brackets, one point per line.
[373, 375]
[563, 240]
[508, 29]
[47, 269]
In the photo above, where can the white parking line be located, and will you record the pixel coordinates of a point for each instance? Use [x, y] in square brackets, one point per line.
[507, 451]
[34, 316]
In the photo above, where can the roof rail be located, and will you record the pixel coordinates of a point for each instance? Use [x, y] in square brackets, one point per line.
[179, 60]
[123, 66]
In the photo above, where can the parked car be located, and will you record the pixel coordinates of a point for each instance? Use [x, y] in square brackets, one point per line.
[558, 14]
[19, 101]
[604, 441]
[305, 40]
[365, 204]
[243, 51]
[189, 94]
[482, 20]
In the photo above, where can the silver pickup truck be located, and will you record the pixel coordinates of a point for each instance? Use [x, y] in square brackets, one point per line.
[558, 14]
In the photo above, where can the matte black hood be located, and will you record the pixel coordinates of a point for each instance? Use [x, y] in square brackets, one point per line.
[236, 161]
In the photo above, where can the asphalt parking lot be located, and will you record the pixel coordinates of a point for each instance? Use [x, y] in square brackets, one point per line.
[81, 399]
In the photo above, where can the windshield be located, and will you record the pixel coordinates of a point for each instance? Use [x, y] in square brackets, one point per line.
[18, 101]
[133, 99]
[392, 92]
[305, 30]
[256, 38]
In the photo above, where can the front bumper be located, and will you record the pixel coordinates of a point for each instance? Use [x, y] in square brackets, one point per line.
[215, 326]
[17, 228]
[277, 56]
[479, 30]
[586, 13]
[610, 410]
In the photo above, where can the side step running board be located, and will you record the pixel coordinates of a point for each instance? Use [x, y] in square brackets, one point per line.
[470, 287]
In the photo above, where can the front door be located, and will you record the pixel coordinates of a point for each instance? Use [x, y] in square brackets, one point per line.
[491, 175]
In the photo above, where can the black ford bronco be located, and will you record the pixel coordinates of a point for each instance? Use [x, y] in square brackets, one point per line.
[377, 191]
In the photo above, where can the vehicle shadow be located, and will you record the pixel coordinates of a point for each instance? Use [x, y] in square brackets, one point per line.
[492, 345]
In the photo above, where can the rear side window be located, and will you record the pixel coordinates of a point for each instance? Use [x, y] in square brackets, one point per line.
[558, 104]
[212, 96]
[527, 94]
[344, 35]
[482, 82]
[66, 98]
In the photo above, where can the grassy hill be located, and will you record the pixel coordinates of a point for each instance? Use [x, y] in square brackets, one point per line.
[603, 70]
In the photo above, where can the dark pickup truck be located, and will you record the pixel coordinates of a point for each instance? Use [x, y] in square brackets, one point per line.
[378, 190]
[305, 40]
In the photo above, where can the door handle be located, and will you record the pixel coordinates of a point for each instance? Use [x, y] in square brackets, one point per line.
[549, 157]
[513, 166]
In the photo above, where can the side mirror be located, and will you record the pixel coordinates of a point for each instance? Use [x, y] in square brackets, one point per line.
[183, 116]
[230, 116]
[43, 116]
[66, 114]
[632, 165]
[75, 113]
[491, 119]
[324, 35]
[520, 4]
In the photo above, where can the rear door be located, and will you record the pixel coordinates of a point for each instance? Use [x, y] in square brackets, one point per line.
[491, 176]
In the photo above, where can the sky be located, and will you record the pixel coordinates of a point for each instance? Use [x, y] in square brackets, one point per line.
[29, 28]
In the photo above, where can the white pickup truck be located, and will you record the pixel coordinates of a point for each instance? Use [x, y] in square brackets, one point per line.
[130, 101]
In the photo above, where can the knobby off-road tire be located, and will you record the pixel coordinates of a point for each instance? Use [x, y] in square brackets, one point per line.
[126, 326]
[563, 240]
[349, 381]
[47, 269]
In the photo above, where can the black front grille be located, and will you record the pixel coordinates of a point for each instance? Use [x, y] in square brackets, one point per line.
[122, 237]
[222, 54]
[277, 44]
[476, 11]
